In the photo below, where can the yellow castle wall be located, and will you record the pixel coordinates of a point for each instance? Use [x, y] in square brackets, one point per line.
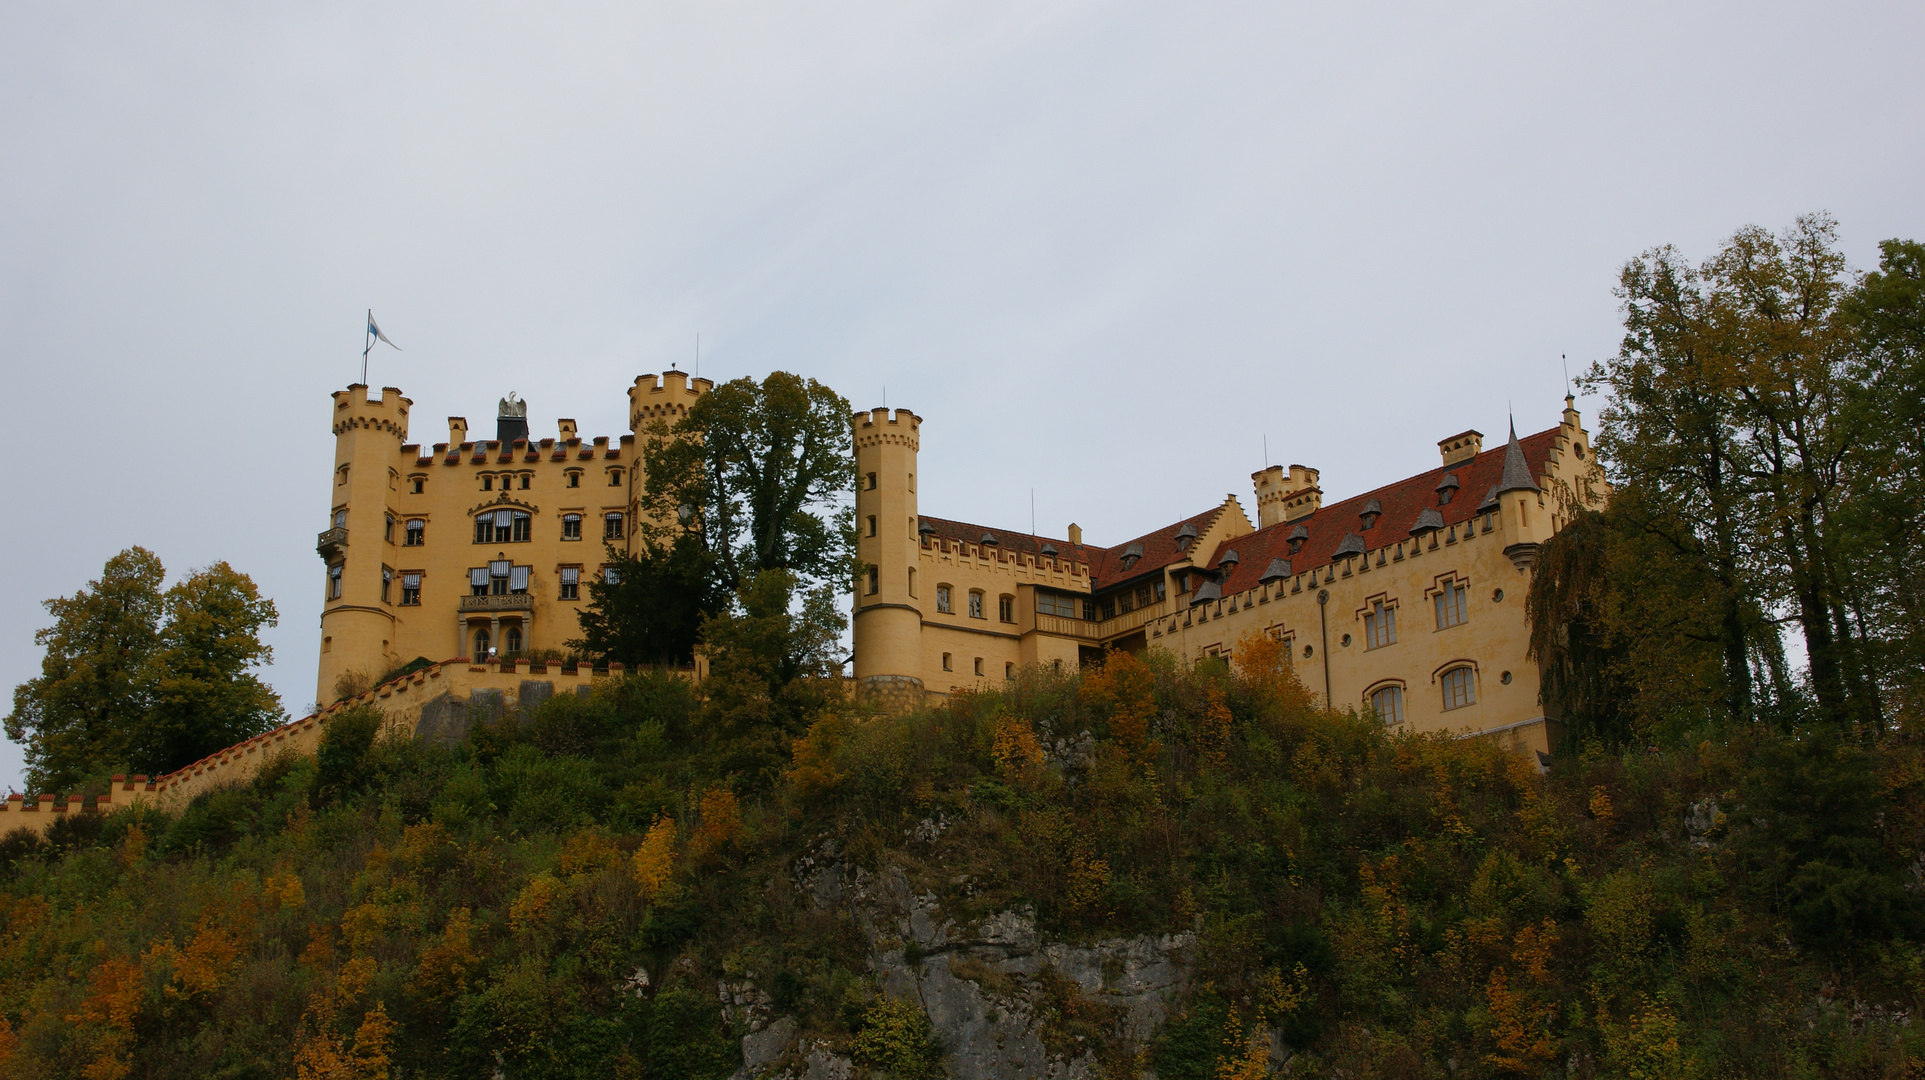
[554, 474]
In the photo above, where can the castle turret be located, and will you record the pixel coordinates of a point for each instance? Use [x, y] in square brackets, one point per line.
[1285, 496]
[1527, 522]
[357, 621]
[888, 614]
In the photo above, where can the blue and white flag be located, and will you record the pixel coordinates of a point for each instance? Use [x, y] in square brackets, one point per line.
[375, 334]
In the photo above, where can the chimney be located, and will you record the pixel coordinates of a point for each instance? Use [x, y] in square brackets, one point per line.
[457, 431]
[567, 428]
[1075, 534]
[511, 420]
[1461, 448]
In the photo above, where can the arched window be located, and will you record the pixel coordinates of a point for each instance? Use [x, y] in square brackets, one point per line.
[416, 533]
[571, 526]
[511, 640]
[1388, 703]
[481, 645]
[1380, 625]
[1460, 687]
[502, 527]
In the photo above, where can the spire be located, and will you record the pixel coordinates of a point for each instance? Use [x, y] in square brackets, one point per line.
[1517, 472]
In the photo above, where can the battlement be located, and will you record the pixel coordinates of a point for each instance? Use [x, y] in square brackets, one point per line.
[353, 408]
[1062, 573]
[874, 427]
[668, 399]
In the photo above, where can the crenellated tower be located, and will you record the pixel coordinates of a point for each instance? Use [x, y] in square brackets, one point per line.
[888, 614]
[357, 623]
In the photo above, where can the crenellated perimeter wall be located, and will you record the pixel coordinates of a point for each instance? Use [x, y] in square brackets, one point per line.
[437, 702]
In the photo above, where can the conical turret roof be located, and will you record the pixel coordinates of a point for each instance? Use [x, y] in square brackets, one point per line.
[1517, 472]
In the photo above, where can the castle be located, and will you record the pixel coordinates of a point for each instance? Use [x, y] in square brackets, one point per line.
[1407, 600]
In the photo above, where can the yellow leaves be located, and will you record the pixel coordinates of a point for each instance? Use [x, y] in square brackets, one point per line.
[813, 772]
[1521, 1017]
[320, 1053]
[1281, 996]
[365, 923]
[1088, 877]
[444, 966]
[1645, 1045]
[285, 889]
[9, 1044]
[721, 820]
[1601, 808]
[1015, 748]
[537, 899]
[1213, 728]
[420, 841]
[132, 846]
[1242, 1058]
[106, 1018]
[587, 851]
[1123, 689]
[209, 958]
[654, 861]
[1383, 900]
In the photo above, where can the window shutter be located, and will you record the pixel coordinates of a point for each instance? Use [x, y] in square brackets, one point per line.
[612, 575]
[518, 579]
[478, 576]
[417, 523]
[570, 575]
[499, 568]
[411, 581]
[504, 518]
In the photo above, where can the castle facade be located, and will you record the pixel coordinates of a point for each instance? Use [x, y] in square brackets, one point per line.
[1407, 600]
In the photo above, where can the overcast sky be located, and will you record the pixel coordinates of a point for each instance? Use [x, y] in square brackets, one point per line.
[1103, 249]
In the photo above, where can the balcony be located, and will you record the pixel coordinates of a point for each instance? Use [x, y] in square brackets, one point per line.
[332, 545]
[1100, 631]
[498, 602]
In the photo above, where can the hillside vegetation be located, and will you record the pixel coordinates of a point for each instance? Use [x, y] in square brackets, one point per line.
[560, 897]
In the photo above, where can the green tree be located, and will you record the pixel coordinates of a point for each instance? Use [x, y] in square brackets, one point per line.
[82, 715]
[652, 610]
[202, 690]
[137, 679]
[1885, 312]
[764, 474]
[774, 658]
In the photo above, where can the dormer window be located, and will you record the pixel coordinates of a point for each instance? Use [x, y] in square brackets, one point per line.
[1370, 513]
[1446, 488]
[1297, 537]
[1185, 536]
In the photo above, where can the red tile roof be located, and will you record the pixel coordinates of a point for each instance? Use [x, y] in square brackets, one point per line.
[1010, 544]
[1106, 564]
[1402, 502]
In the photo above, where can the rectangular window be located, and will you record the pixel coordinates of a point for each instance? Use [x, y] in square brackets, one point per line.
[571, 577]
[1157, 590]
[979, 665]
[875, 578]
[872, 524]
[419, 483]
[524, 483]
[1089, 610]
[416, 534]
[334, 581]
[1380, 626]
[1006, 608]
[1450, 605]
[341, 518]
[611, 575]
[519, 534]
[1126, 601]
[1389, 705]
[1009, 671]
[612, 527]
[387, 531]
[1145, 595]
[518, 579]
[478, 581]
[912, 581]
[571, 526]
[942, 600]
[574, 479]
[975, 605]
[387, 583]
[1459, 688]
[870, 482]
[410, 590]
[946, 663]
[485, 529]
[488, 483]
[1058, 604]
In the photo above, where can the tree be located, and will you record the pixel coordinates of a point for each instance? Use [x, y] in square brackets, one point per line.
[1731, 408]
[764, 474]
[202, 691]
[140, 680]
[774, 663]
[83, 712]
[652, 610]
[1885, 312]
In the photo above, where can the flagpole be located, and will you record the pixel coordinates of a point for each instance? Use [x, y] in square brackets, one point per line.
[368, 344]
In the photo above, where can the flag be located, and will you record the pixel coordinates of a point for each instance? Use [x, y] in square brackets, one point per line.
[375, 334]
